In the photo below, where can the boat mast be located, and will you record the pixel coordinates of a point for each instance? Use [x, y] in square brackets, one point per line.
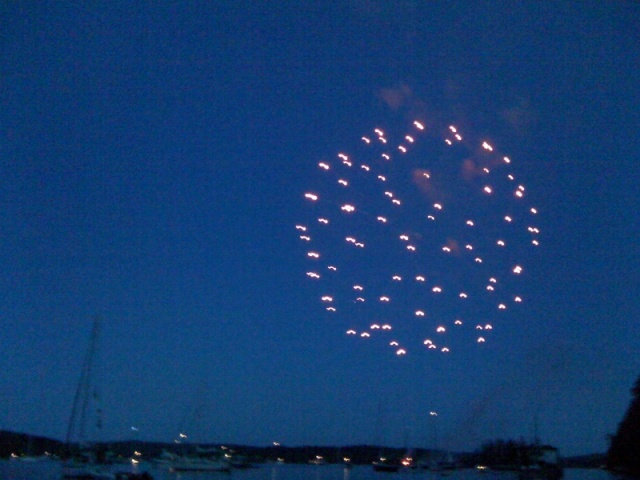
[77, 421]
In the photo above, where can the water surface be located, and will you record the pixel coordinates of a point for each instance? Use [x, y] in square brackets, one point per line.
[50, 470]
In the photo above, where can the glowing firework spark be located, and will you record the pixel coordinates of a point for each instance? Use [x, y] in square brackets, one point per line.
[441, 212]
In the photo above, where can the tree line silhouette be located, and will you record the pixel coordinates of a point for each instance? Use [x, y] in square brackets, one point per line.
[624, 450]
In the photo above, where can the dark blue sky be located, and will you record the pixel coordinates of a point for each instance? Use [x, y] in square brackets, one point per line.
[153, 161]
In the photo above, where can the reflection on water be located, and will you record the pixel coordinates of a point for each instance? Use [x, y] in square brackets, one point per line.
[49, 470]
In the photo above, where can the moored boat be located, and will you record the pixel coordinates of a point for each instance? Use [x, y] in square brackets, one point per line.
[383, 464]
[202, 460]
[80, 471]
[85, 460]
[541, 462]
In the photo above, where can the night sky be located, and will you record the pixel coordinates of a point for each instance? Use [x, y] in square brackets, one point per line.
[154, 158]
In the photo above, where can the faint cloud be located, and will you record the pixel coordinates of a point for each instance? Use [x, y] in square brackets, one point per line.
[521, 116]
[395, 98]
[470, 170]
[422, 179]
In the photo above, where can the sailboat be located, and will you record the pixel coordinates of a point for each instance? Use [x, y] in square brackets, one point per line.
[383, 463]
[200, 460]
[84, 461]
[538, 461]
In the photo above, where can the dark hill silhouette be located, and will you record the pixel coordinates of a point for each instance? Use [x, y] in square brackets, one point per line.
[23, 444]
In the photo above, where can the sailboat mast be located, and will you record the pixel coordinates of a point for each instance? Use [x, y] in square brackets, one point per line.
[81, 398]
